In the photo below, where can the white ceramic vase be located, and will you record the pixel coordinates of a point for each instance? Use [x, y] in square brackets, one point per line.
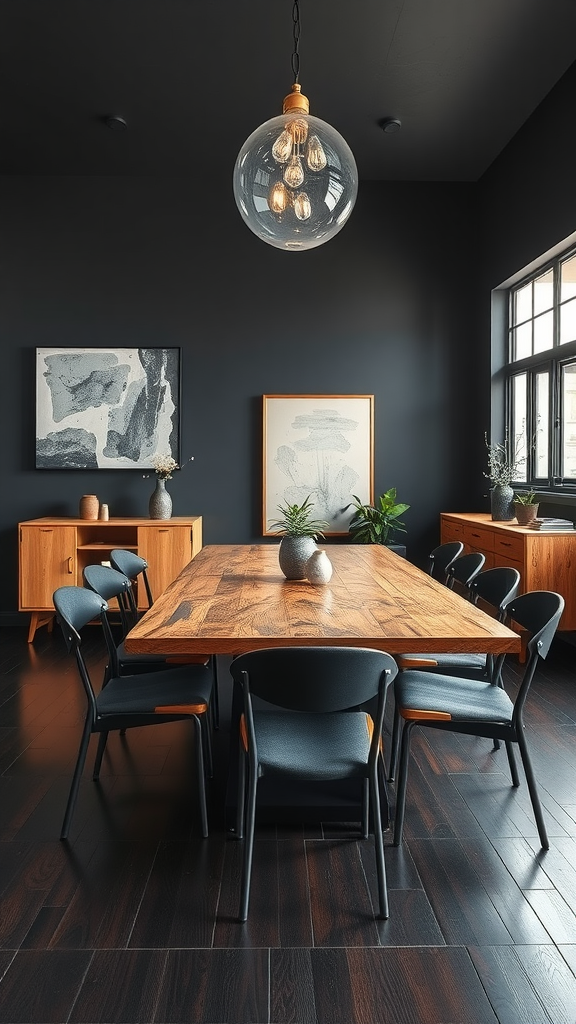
[319, 568]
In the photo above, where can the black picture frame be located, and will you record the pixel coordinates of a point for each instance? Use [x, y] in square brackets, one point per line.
[107, 408]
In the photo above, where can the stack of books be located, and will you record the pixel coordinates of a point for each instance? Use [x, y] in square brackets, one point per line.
[552, 524]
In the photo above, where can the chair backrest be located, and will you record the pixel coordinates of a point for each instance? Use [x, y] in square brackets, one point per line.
[318, 679]
[75, 608]
[538, 613]
[441, 557]
[495, 587]
[110, 583]
[133, 566]
[464, 568]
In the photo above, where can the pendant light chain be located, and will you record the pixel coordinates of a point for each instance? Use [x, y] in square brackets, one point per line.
[295, 63]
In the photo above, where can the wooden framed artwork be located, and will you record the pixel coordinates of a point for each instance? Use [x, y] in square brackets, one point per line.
[317, 446]
[106, 408]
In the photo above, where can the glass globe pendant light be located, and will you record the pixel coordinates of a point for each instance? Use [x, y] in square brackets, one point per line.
[295, 178]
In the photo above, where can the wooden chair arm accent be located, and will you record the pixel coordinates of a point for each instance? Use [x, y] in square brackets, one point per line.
[181, 709]
[413, 662]
[414, 713]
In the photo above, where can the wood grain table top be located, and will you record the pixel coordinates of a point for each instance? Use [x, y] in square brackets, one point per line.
[233, 598]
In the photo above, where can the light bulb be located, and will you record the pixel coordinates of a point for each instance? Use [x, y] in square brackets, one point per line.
[302, 207]
[315, 155]
[279, 197]
[282, 148]
[294, 172]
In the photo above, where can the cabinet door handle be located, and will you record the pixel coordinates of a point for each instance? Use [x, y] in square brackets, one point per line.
[71, 564]
[505, 543]
[45, 530]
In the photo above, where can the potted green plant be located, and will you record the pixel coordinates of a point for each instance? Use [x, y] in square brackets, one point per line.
[299, 533]
[525, 507]
[379, 523]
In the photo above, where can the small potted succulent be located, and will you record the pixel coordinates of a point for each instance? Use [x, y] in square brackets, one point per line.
[299, 533]
[525, 507]
[379, 523]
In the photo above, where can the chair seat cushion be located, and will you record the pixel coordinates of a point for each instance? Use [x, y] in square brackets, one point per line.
[465, 700]
[312, 746]
[141, 694]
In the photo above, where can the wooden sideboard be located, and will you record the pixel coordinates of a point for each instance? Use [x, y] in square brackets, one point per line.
[545, 561]
[54, 551]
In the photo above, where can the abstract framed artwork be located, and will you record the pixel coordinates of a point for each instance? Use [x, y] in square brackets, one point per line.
[317, 446]
[106, 408]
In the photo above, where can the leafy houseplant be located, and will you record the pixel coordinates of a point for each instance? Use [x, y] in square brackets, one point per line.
[299, 533]
[525, 507]
[296, 521]
[377, 524]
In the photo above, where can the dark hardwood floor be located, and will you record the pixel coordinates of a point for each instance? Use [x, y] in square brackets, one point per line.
[133, 919]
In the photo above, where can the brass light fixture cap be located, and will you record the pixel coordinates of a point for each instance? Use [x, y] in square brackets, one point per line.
[296, 101]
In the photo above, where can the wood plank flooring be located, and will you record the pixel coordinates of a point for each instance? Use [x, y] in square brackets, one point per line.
[133, 919]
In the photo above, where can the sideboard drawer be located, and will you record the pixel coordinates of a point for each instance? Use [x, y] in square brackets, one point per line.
[509, 545]
[479, 538]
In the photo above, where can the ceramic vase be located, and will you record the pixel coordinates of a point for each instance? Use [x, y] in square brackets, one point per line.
[319, 568]
[293, 556]
[501, 507]
[160, 504]
[89, 506]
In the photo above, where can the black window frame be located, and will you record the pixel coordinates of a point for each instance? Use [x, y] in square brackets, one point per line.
[551, 361]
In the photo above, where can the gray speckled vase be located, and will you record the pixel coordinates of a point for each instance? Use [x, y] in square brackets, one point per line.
[501, 498]
[293, 556]
[160, 504]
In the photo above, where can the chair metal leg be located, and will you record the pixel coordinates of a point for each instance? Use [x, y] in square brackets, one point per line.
[241, 795]
[200, 769]
[512, 763]
[533, 790]
[365, 808]
[80, 761]
[402, 783]
[394, 747]
[102, 739]
[248, 843]
[379, 846]
[215, 701]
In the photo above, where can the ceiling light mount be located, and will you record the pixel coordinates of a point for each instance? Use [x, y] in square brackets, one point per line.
[295, 178]
[390, 125]
[115, 122]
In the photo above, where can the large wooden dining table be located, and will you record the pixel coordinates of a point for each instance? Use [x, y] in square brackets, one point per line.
[233, 598]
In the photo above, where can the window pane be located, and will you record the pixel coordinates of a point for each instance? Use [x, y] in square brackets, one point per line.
[523, 303]
[569, 421]
[523, 341]
[568, 279]
[543, 332]
[544, 292]
[542, 424]
[568, 322]
[519, 424]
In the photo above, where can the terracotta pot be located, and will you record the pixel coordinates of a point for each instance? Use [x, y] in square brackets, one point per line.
[525, 514]
[89, 506]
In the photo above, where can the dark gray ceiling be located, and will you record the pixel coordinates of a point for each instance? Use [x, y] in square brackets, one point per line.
[193, 79]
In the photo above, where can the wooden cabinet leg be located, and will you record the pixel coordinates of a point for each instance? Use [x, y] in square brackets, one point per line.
[38, 619]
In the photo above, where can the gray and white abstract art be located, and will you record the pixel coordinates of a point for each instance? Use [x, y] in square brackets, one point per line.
[99, 408]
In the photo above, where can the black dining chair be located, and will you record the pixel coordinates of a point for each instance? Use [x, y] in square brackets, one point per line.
[136, 568]
[441, 557]
[490, 590]
[316, 729]
[462, 705]
[129, 701]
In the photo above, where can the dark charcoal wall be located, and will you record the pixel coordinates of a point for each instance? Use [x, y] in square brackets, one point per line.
[385, 308]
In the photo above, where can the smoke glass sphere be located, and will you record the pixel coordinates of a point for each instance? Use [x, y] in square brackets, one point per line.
[287, 207]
